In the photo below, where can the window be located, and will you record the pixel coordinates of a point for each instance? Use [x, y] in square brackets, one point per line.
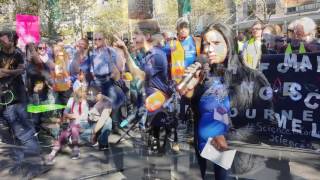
[291, 10]
[310, 6]
[301, 8]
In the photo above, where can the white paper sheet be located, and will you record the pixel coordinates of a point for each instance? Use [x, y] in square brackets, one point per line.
[223, 159]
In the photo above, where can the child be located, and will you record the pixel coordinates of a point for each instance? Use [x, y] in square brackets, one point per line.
[76, 112]
[81, 81]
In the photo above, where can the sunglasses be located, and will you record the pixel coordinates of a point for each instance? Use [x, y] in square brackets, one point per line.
[41, 48]
[97, 39]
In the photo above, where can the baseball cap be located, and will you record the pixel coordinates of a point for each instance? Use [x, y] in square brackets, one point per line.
[182, 22]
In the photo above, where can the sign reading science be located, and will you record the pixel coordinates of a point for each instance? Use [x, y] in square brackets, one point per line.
[295, 92]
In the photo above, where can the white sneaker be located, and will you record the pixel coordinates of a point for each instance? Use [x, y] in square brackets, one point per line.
[95, 145]
[50, 159]
[75, 155]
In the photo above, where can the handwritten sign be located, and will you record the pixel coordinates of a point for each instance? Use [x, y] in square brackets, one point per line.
[28, 29]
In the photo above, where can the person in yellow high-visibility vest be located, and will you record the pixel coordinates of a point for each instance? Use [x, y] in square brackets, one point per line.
[252, 48]
[295, 46]
[241, 39]
[184, 50]
[304, 30]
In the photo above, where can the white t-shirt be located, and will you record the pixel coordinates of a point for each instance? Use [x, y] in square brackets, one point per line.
[79, 108]
[77, 84]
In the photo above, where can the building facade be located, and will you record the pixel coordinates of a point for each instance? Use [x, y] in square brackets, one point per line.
[280, 12]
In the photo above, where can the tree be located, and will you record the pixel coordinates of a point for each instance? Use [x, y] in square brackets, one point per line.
[167, 12]
[111, 18]
[26, 7]
[77, 12]
[53, 15]
[64, 17]
[184, 7]
[211, 10]
[260, 9]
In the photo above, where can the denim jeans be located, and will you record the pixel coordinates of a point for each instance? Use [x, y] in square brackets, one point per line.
[103, 138]
[112, 91]
[22, 129]
[142, 122]
[219, 172]
[116, 95]
[105, 131]
[86, 132]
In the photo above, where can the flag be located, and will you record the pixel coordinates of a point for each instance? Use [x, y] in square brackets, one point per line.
[184, 7]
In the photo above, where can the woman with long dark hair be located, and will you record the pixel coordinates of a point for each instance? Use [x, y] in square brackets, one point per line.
[214, 94]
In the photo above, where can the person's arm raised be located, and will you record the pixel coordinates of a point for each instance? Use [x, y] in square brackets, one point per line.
[133, 68]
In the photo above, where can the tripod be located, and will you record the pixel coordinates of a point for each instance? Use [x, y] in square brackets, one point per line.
[134, 118]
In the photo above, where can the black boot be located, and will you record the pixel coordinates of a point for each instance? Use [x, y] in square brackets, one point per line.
[115, 122]
[103, 147]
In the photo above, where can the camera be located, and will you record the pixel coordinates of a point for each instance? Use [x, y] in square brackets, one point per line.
[90, 36]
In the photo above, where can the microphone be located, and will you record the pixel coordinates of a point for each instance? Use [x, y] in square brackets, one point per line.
[188, 77]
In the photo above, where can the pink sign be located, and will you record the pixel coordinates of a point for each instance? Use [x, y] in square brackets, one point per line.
[28, 29]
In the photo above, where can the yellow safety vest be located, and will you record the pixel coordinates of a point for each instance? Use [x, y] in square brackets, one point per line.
[240, 46]
[302, 49]
[251, 54]
[178, 56]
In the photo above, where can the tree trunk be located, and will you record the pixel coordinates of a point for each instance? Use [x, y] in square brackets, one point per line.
[180, 7]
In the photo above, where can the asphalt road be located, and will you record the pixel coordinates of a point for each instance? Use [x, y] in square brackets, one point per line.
[131, 159]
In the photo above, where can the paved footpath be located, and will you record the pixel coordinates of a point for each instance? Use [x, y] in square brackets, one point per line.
[131, 160]
[127, 160]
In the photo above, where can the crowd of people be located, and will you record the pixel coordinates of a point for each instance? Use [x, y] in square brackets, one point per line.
[98, 81]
